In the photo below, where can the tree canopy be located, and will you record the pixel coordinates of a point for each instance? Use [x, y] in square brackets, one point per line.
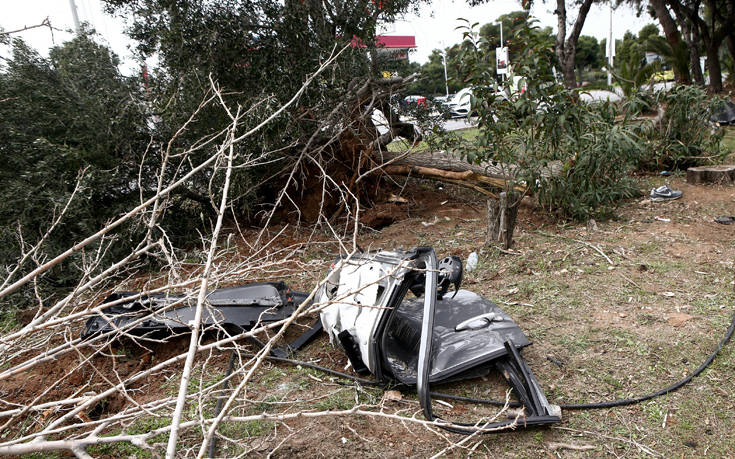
[68, 119]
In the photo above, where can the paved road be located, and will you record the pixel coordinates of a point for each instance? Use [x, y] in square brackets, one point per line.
[459, 123]
[449, 125]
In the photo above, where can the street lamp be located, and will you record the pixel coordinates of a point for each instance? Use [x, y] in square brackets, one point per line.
[444, 60]
[501, 52]
[501, 34]
[610, 49]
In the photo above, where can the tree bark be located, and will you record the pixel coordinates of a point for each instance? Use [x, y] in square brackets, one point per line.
[671, 32]
[711, 174]
[721, 22]
[714, 66]
[730, 41]
[501, 218]
[690, 35]
[509, 202]
[566, 47]
[694, 64]
[493, 218]
[485, 178]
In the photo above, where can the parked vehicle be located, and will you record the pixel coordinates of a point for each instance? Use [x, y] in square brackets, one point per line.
[443, 99]
[414, 101]
[459, 106]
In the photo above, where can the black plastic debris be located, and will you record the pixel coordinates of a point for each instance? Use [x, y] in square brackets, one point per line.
[431, 337]
[232, 309]
[725, 219]
[726, 114]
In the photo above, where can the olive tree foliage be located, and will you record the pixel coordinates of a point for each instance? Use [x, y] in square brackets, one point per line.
[263, 51]
[70, 124]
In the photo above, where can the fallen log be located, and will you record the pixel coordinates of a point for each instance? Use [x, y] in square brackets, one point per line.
[467, 178]
[486, 178]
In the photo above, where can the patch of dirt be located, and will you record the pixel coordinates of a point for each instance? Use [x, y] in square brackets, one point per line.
[600, 331]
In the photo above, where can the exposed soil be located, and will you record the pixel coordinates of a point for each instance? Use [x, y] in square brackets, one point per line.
[601, 331]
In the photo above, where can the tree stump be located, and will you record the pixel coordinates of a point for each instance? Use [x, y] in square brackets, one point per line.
[711, 174]
[501, 218]
[493, 219]
[509, 202]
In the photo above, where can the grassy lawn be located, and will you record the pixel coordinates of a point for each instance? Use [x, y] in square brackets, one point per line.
[729, 140]
[403, 145]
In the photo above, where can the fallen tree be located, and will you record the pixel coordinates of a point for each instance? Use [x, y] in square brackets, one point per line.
[485, 177]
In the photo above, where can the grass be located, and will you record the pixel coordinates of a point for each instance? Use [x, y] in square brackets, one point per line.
[423, 147]
[121, 449]
[729, 140]
[7, 321]
[254, 428]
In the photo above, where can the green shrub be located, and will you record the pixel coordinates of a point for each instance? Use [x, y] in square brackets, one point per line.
[595, 178]
[684, 136]
[573, 156]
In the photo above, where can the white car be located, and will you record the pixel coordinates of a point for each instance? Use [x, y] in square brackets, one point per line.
[459, 106]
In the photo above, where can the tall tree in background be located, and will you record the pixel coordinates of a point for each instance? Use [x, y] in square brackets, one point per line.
[690, 36]
[589, 54]
[566, 44]
[673, 37]
[687, 24]
[431, 81]
[712, 21]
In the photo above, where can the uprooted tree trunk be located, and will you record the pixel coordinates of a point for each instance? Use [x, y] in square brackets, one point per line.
[501, 218]
[447, 167]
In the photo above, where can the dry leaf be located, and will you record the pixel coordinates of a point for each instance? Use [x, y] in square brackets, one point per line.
[678, 319]
[395, 199]
[392, 396]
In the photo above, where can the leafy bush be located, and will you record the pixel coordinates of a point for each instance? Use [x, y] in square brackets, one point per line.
[572, 155]
[596, 177]
[684, 136]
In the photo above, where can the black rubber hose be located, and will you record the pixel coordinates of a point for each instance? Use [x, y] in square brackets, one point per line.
[567, 406]
[622, 402]
[220, 401]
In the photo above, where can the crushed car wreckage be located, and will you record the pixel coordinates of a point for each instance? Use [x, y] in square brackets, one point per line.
[431, 336]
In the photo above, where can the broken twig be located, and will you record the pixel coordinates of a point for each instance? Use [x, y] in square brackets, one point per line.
[592, 246]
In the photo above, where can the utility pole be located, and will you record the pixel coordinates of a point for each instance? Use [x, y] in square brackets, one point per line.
[501, 34]
[446, 83]
[501, 41]
[74, 15]
[610, 49]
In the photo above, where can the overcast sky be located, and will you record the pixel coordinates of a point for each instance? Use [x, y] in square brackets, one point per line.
[434, 27]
